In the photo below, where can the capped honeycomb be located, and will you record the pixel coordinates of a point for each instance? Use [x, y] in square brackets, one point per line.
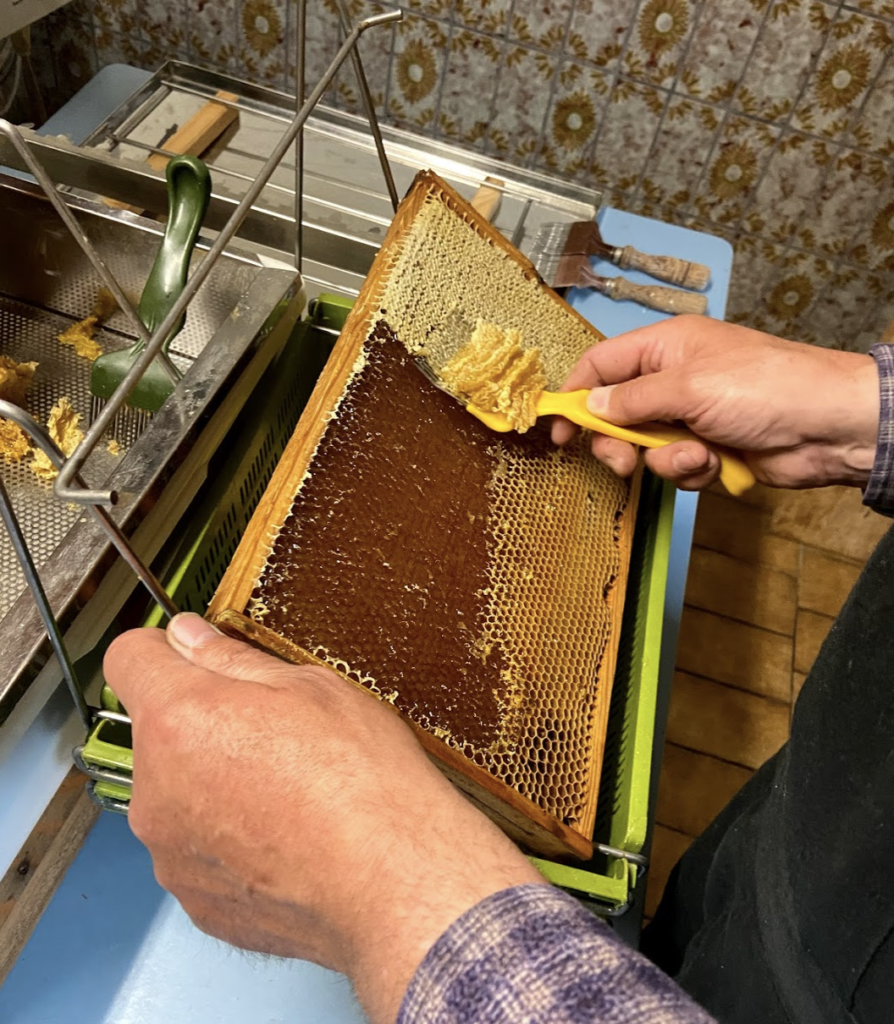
[473, 580]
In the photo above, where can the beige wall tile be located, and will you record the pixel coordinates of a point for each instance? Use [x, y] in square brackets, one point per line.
[810, 633]
[798, 680]
[731, 724]
[825, 582]
[694, 788]
[741, 530]
[754, 594]
[831, 518]
[734, 653]
[759, 495]
[667, 848]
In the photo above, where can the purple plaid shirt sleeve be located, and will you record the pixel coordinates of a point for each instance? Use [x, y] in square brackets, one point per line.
[879, 493]
[533, 955]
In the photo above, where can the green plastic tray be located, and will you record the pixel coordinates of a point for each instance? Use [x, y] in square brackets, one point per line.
[221, 518]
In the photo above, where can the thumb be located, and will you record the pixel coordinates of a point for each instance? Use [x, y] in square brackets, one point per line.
[205, 647]
[656, 396]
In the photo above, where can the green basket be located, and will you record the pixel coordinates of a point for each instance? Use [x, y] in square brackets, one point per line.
[622, 810]
[222, 515]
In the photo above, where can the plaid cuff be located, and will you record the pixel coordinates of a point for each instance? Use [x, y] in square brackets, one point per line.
[532, 954]
[879, 493]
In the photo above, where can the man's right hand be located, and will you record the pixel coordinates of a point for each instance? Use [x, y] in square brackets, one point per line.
[802, 416]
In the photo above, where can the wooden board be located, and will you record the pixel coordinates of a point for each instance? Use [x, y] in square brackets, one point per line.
[28, 886]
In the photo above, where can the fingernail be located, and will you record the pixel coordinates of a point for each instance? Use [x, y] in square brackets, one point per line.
[689, 462]
[189, 630]
[598, 399]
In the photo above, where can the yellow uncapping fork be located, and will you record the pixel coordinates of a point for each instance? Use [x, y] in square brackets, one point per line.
[735, 476]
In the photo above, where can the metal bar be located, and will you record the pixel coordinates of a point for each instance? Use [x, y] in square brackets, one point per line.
[639, 859]
[112, 716]
[97, 773]
[274, 186]
[61, 207]
[519, 232]
[32, 578]
[54, 453]
[375, 130]
[63, 487]
[97, 172]
[300, 84]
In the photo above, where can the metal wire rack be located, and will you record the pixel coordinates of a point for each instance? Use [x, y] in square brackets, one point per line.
[20, 150]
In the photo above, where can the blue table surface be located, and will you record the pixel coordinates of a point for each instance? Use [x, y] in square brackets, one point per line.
[113, 948]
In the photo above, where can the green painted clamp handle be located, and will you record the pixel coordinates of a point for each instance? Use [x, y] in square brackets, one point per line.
[189, 191]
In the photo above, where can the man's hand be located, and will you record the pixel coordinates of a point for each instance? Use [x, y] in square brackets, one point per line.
[802, 416]
[292, 814]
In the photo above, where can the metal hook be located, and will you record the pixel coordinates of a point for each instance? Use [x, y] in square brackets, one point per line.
[32, 578]
[375, 130]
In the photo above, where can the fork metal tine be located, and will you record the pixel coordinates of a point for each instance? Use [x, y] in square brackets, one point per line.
[433, 377]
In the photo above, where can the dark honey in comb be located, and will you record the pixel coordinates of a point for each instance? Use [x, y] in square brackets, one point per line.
[381, 565]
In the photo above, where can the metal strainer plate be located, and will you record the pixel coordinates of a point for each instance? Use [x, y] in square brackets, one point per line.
[45, 286]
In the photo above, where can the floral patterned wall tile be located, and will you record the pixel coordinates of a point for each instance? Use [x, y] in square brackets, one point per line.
[721, 45]
[851, 59]
[122, 16]
[679, 155]
[376, 49]
[845, 204]
[756, 266]
[262, 27]
[417, 71]
[490, 16]
[213, 34]
[542, 25]
[435, 8]
[166, 32]
[770, 122]
[322, 41]
[790, 297]
[794, 173]
[840, 311]
[883, 8]
[521, 105]
[874, 245]
[791, 39]
[578, 108]
[470, 85]
[874, 128]
[119, 49]
[658, 44]
[73, 45]
[600, 30]
[742, 152]
[625, 139]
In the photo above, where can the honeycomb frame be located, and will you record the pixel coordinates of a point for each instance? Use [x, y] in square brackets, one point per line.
[538, 821]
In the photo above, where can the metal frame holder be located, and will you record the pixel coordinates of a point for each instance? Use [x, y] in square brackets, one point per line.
[70, 485]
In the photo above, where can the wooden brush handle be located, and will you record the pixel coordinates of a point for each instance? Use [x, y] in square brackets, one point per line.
[488, 197]
[665, 268]
[735, 474]
[196, 135]
[667, 300]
